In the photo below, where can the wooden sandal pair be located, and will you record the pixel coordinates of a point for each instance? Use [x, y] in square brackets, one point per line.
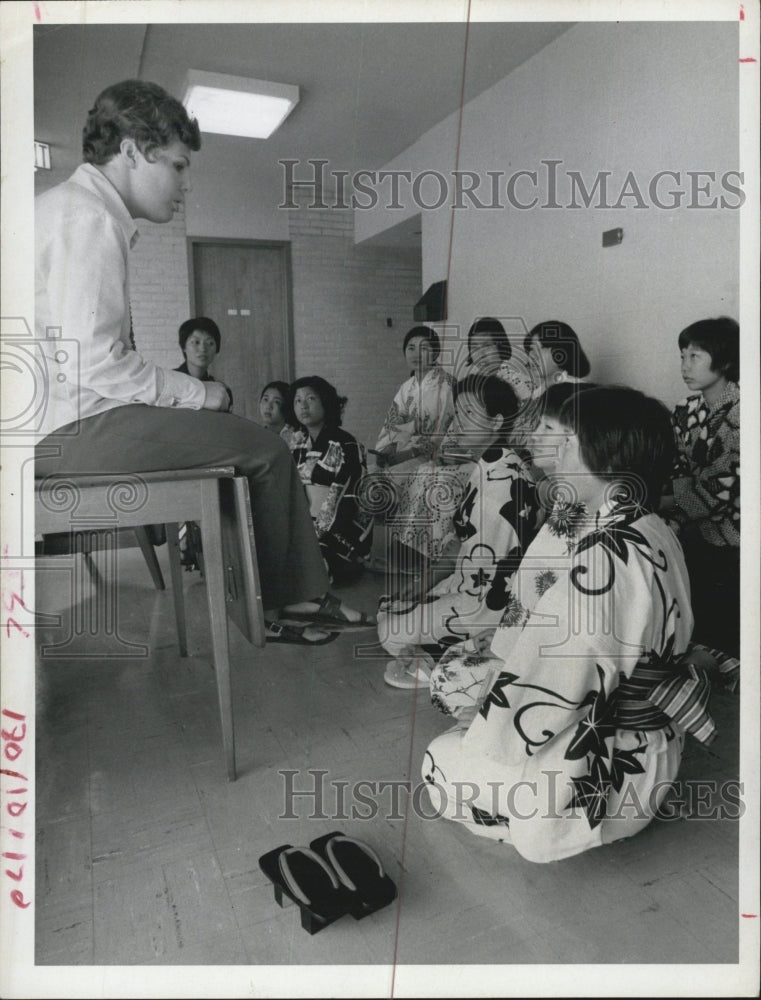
[335, 876]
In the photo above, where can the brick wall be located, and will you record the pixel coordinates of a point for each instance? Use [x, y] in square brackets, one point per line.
[159, 289]
[343, 295]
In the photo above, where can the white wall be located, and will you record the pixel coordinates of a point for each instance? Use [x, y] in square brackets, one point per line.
[343, 298]
[230, 202]
[618, 97]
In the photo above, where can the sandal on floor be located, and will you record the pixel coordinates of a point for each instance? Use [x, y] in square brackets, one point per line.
[409, 672]
[329, 613]
[359, 870]
[277, 632]
[302, 876]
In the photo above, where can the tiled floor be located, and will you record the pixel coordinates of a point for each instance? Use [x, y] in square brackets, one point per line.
[147, 855]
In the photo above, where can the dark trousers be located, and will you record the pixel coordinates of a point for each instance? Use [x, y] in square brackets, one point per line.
[715, 586]
[139, 438]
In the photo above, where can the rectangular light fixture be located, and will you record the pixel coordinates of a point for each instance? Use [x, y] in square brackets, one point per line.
[42, 156]
[238, 105]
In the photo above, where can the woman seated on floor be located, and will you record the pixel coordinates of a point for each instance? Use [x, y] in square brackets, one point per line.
[275, 411]
[331, 463]
[555, 357]
[200, 342]
[494, 523]
[542, 443]
[572, 725]
[411, 436]
[490, 353]
[425, 521]
[705, 506]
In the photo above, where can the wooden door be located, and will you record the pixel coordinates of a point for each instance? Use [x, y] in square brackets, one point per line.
[245, 289]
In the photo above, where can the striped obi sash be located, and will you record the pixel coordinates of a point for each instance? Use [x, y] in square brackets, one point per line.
[658, 694]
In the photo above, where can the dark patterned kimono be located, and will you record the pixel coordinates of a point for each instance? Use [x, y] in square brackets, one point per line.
[706, 487]
[330, 469]
[706, 480]
[583, 702]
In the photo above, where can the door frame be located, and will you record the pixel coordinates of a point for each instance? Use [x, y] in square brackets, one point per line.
[284, 247]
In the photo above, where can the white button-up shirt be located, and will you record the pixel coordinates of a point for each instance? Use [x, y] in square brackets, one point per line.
[83, 234]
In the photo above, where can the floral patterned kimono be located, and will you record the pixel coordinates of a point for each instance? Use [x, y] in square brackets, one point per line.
[432, 497]
[419, 415]
[583, 703]
[706, 480]
[706, 512]
[330, 469]
[495, 523]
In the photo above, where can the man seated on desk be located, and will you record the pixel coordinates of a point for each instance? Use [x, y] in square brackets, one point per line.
[110, 410]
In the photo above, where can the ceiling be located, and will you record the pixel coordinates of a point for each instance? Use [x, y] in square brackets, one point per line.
[367, 90]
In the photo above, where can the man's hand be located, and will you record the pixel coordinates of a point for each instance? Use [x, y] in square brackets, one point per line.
[216, 397]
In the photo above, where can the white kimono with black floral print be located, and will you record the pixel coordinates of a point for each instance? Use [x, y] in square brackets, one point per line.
[495, 522]
[546, 764]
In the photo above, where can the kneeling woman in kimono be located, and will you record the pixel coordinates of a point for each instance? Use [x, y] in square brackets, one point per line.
[494, 524]
[331, 463]
[580, 707]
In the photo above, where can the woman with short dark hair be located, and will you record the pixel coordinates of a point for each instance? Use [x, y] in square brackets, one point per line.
[200, 342]
[411, 436]
[422, 408]
[331, 463]
[554, 349]
[706, 482]
[555, 357]
[572, 724]
[467, 593]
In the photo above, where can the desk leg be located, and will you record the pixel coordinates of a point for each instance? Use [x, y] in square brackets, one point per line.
[178, 593]
[211, 533]
[149, 554]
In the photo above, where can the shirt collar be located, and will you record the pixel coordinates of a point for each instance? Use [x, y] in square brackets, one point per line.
[729, 397]
[89, 177]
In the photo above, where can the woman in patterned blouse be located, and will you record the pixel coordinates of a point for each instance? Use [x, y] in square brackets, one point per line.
[706, 484]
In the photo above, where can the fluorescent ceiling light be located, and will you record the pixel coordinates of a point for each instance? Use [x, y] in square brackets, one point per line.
[237, 105]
